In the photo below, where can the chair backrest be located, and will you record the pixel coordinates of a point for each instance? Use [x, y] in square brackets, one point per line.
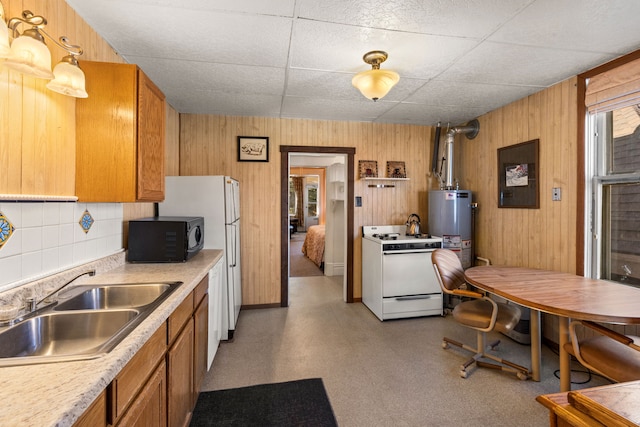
[449, 268]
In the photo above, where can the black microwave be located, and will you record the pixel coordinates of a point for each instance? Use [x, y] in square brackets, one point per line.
[165, 238]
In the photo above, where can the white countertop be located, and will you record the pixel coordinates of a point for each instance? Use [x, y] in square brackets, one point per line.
[56, 394]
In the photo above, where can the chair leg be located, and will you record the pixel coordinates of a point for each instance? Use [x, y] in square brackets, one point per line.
[481, 352]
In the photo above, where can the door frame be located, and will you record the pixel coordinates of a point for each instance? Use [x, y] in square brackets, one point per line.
[285, 150]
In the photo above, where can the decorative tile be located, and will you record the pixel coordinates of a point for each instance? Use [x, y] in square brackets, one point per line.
[86, 221]
[6, 229]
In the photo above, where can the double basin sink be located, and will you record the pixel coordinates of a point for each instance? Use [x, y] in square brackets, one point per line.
[86, 324]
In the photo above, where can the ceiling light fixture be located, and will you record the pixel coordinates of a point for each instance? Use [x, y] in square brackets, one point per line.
[375, 83]
[29, 55]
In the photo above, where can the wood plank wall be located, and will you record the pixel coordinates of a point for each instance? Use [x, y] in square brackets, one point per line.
[538, 238]
[208, 146]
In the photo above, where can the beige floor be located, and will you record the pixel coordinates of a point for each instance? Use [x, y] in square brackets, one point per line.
[392, 373]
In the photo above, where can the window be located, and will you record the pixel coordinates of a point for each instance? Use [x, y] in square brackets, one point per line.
[613, 164]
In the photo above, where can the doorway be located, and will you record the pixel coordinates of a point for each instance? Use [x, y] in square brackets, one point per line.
[285, 150]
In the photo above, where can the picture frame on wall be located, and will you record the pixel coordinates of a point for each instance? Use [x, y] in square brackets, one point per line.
[368, 168]
[253, 149]
[518, 171]
[396, 170]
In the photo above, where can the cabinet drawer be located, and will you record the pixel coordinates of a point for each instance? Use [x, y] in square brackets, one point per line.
[179, 317]
[133, 377]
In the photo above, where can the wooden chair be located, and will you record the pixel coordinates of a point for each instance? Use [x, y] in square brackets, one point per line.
[480, 313]
[608, 353]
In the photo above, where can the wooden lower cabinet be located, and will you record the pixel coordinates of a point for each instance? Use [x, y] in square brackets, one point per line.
[180, 378]
[160, 384]
[149, 409]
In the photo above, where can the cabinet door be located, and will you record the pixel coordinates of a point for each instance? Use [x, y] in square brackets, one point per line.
[201, 323]
[96, 415]
[180, 378]
[150, 407]
[151, 139]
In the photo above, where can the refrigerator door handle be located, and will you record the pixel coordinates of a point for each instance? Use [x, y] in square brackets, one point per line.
[234, 261]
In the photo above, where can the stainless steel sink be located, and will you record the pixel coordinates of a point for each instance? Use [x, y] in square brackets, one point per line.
[116, 297]
[64, 336]
[86, 325]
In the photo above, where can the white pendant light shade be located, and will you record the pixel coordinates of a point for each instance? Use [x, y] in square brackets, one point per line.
[5, 49]
[30, 56]
[69, 79]
[375, 84]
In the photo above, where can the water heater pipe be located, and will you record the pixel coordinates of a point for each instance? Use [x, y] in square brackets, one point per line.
[471, 131]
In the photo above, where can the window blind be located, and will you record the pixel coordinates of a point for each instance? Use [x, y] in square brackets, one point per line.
[613, 89]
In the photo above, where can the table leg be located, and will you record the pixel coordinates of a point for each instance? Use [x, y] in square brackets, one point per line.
[536, 339]
[565, 359]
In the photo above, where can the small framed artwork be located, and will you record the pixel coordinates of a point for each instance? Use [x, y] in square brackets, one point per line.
[518, 171]
[368, 168]
[396, 170]
[253, 149]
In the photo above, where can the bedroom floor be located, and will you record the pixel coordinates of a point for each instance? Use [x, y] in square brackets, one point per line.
[300, 265]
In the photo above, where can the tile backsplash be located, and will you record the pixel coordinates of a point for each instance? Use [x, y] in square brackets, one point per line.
[42, 238]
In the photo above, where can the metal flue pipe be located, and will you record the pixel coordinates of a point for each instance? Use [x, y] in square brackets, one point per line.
[471, 131]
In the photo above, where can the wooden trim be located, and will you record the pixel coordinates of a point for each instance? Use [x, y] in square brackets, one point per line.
[580, 167]
[284, 213]
[259, 306]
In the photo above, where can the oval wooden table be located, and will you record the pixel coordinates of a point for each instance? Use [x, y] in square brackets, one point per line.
[565, 295]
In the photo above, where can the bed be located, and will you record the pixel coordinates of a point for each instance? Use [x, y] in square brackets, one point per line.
[313, 246]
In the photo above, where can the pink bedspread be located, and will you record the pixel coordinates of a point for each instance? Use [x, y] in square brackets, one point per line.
[313, 246]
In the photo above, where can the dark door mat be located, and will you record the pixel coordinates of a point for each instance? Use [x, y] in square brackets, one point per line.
[293, 403]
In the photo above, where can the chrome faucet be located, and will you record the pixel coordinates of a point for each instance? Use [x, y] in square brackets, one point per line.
[32, 303]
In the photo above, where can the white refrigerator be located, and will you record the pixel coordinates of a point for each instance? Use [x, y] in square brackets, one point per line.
[217, 200]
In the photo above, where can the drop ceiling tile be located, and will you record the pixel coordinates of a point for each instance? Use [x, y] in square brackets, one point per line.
[491, 96]
[215, 77]
[426, 115]
[324, 46]
[589, 25]
[460, 18]
[511, 64]
[328, 109]
[264, 7]
[212, 36]
[228, 104]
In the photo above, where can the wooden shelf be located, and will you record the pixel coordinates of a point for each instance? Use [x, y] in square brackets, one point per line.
[383, 182]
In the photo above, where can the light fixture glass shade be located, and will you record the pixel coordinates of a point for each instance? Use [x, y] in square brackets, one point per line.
[5, 48]
[375, 84]
[69, 80]
[30, 56]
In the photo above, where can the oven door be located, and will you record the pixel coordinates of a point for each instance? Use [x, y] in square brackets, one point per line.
[408, 273]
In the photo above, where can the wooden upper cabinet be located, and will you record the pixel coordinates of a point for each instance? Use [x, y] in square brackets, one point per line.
[120, 136]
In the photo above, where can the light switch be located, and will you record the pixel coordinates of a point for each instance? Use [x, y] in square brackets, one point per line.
[358, 201]
[556, 194]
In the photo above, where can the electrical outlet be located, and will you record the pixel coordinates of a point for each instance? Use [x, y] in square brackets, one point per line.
[556, 194]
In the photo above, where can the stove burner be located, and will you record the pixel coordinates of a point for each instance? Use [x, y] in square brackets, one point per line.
[387, 236]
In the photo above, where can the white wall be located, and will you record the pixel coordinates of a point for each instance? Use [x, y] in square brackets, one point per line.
[48, 238]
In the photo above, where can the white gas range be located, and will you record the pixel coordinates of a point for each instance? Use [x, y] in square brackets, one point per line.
[398, 279]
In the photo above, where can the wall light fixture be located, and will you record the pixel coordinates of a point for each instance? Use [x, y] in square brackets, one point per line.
[29, 55]
[375, 83]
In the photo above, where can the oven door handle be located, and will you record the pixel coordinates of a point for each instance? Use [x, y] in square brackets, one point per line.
[408, 251]
[415, 297]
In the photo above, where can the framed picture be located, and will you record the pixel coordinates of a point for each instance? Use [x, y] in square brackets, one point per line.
[518, 171]
[368, 168]
[253, 149]
[396, 170]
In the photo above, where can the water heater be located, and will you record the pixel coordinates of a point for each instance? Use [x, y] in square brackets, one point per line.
[450, 217]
